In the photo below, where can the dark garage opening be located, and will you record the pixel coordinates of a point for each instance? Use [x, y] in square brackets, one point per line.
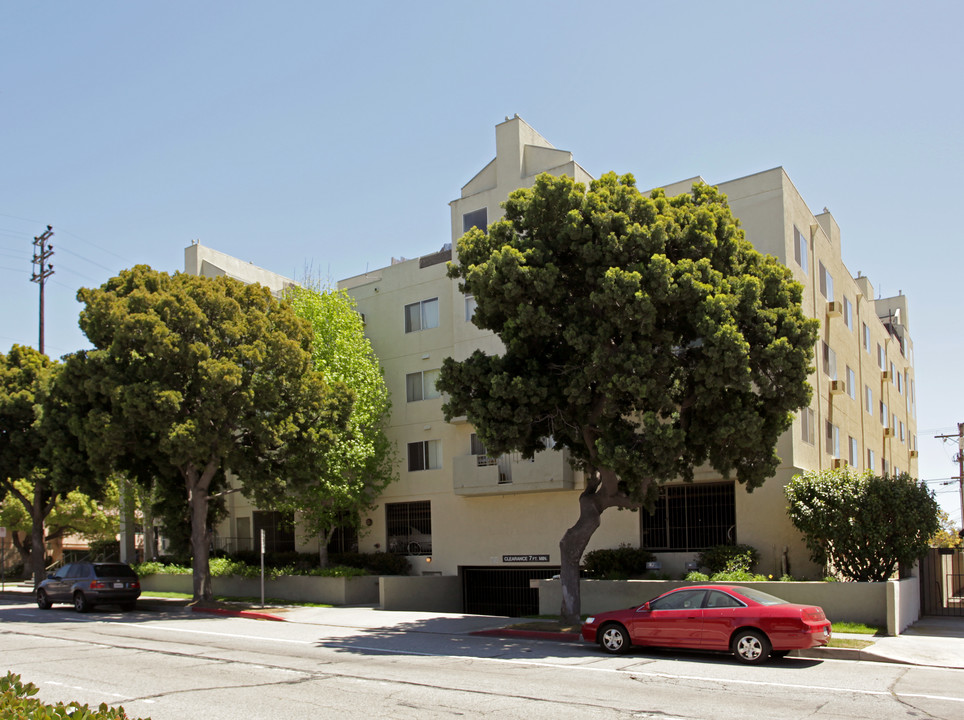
[502, 591]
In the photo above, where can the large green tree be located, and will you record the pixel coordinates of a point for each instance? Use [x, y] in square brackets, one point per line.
[361, 462]
[863, 525]
[644, 335]
[26, 476]
[193, 376]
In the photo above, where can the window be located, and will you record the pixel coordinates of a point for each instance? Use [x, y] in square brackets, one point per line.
[279, 530]
[880, 357]
[476, 218]
[900, 383]
[800, 244]
[833, 440]
[806, 426]
[690, 517]
[866, 337]
[848, 313]
[829, 362]
[421, 385]
[409, 527]
[470, 305]
[868, 400]
[421, 315]
[902, 431]
[885, 466]
[682, 600]
[884, 416]
[425, 455]
[826, 283]
[476, 446]
[893, 380]
[870, 460]
[851, 383]
[852, 454]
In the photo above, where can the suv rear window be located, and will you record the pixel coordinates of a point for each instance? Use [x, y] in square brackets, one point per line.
[114, 570]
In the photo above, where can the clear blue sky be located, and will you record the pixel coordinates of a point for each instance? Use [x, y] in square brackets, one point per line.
[333, 136]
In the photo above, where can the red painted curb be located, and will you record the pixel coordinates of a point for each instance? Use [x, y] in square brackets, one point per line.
[251, 614]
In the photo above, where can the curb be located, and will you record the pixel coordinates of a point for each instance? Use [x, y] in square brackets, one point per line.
[250, 614]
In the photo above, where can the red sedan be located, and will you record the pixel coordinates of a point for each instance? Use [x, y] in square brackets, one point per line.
[751, 624]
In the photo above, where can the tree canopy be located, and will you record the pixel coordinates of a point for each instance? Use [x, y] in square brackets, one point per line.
[360, 462]
[860, 524]
[26, 476]
[191, 377]
[644, 335]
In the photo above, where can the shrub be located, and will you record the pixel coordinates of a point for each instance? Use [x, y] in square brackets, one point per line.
[378, 563]
[737, 576]
[617, 563]
[729, 558]
[862, 525]
[695, 576]
[17, 701]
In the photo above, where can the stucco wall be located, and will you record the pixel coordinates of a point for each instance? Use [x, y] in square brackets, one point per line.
[435, 593]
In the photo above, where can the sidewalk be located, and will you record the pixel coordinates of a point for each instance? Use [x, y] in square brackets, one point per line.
[931, 641]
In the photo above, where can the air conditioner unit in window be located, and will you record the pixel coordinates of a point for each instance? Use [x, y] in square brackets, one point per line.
[885, 375]
[839, 463]
[838, 386]
[888, 432]
[913, 453]
[834, 309]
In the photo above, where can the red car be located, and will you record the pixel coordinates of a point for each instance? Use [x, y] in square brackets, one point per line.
[751, 624]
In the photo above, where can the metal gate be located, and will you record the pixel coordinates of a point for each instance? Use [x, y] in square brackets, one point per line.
[502, 591]
[942, 582]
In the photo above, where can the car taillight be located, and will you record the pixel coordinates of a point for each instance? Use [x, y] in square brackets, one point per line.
[815, 614]
[98, 585]
[135, 584]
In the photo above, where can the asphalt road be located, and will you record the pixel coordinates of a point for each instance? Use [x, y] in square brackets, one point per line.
[177, 665]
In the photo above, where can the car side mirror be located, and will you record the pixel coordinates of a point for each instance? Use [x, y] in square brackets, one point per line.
[643, 608]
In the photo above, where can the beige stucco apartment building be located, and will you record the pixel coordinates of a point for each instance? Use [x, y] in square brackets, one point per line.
[497, 522]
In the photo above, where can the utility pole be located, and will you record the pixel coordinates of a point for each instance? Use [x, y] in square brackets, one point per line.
[42, 270]
[960, 464]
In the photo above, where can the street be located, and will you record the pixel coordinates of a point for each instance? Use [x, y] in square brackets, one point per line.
[171, 665]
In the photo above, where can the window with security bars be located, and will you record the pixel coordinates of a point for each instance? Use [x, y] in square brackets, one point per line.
[690, 517]
[409, 526]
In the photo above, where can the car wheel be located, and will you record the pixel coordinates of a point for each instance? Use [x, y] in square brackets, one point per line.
[751, 647]
[614, 639]
[43, 600]
[81, 604]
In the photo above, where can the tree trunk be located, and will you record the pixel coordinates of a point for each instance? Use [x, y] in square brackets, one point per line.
[38, 565]
[197, 489]
[571, 548]
[145, 497]
[323, 539]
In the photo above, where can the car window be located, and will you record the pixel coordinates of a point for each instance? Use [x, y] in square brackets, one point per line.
[62, 572]
[114, 570]
[680, 600]
[759, 596]
[78, 570]
[719, 599]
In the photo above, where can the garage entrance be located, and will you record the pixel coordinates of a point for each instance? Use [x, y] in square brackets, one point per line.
[502, 591]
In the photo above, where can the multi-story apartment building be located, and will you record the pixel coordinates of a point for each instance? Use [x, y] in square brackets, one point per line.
[497, 521]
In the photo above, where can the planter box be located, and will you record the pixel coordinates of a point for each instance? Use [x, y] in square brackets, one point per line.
[296, 588]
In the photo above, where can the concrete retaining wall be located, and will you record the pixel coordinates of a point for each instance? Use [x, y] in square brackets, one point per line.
[297, 588]
[889, 605]
[428, 593]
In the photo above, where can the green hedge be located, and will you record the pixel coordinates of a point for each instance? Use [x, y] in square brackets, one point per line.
[17, 703]
[619, 563]
[278, 564]
[729, 558]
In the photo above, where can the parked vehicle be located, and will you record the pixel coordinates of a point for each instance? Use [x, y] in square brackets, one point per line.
[86, 584]
[751, 624]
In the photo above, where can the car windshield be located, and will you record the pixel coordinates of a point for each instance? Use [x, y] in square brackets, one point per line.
[759, 596]
[114, 570]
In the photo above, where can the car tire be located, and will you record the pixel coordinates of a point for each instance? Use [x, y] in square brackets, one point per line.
[81, 604]
[43, 600]
[614, 639]
[751, 647]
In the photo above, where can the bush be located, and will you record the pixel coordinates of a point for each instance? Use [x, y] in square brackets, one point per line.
[375, 563]
[862, 526]
[617, 564]
[729, 558]
[17, 701]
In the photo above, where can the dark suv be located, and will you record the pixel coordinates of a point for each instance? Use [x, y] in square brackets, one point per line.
[86, 584]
